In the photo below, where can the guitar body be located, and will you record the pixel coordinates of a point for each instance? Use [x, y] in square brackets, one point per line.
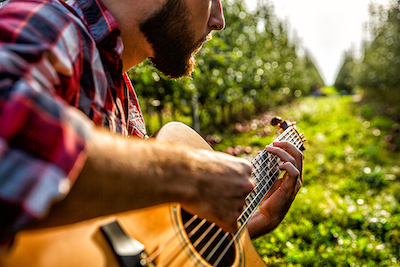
[160, 229]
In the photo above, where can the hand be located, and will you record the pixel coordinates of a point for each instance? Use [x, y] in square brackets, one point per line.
[277, 202]
[223, 182]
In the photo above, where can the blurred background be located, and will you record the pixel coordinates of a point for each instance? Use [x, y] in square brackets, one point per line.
[332, 66]
[326, 28]
[269, 55]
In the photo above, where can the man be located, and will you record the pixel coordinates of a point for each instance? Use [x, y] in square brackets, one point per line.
[62, 84]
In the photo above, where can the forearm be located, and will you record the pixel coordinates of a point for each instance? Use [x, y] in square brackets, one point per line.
[122, 174]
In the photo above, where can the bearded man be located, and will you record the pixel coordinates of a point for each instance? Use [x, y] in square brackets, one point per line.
[63, 82]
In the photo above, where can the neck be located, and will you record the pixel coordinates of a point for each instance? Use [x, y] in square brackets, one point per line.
[129, 14]
[133, 54]
[265, 172]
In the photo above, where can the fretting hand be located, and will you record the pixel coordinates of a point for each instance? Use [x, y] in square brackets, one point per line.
[277, 202]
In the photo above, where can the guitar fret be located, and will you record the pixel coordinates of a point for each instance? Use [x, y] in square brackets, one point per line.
[265, 172]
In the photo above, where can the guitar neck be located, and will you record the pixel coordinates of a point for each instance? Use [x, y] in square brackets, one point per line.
[265, 172]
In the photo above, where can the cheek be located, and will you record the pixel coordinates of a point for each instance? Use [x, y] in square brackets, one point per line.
[201, 14]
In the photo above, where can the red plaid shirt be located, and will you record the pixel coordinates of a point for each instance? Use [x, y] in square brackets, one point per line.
[57, 63]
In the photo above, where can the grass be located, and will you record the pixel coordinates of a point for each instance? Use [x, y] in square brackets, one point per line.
[347, 212]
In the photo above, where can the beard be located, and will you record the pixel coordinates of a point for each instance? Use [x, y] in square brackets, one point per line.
[171, 39]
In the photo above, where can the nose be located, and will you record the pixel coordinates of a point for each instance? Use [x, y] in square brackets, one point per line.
[217, 20]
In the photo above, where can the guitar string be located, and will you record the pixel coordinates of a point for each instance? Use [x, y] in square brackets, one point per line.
[258, 175]
[258, 178]
[212, 239]
[159, 250]
[259, 191]
[243, 225]
[274, 175]
[220, 243]
[190, 234]
[178, 250]
[201, 238]
[235, 237]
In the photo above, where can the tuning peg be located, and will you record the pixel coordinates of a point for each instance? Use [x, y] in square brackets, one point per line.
[276, 121]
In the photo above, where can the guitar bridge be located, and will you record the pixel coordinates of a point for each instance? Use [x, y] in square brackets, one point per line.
[127, 250]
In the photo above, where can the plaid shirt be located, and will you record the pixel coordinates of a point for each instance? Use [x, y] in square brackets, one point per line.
[58, 63]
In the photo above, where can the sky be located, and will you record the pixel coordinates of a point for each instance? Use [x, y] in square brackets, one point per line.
[327, 28]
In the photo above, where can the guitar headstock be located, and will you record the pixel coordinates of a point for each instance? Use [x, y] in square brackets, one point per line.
[284, 125]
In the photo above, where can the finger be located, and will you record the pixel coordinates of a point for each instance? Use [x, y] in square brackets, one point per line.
[292, 150]
[295, 156]
[274, 187]
[242, 188]
[230, 223]
[289, 147]
[291, 170]
[291, 185]
[282, 154]
[291, 179]
[232, 228]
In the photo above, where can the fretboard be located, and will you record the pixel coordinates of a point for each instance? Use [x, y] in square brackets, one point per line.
[265, 172]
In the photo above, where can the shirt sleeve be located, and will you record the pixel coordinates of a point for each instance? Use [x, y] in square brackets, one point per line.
[42, 138]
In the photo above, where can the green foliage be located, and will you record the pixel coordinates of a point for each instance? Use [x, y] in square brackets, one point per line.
[381, 61]
[248, 67]
[380, 67]
[377, 71]
[345, 81]
[347, 212]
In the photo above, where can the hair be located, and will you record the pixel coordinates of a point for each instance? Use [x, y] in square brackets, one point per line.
[168, 31]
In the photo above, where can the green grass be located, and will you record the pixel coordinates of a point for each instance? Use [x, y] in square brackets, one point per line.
[347, 212]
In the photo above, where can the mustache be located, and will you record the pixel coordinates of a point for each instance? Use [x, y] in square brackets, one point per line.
[198, 45]
[208, 37]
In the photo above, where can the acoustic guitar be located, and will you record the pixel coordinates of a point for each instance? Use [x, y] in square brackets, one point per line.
[163, 235]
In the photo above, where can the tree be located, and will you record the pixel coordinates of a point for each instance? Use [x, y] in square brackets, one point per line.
[249, 67]
[345, 81]
[380, 66]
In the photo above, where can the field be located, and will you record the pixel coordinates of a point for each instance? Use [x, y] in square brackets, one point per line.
[347, 212]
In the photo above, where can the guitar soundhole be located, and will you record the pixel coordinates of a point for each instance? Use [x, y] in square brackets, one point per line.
[209, 241]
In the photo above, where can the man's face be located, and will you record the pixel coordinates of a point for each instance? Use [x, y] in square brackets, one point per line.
[172, 35]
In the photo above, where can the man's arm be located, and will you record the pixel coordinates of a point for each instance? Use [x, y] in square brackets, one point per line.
[122, 174]
[210, 184]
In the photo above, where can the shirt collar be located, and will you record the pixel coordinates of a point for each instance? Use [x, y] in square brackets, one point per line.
[98, 18]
